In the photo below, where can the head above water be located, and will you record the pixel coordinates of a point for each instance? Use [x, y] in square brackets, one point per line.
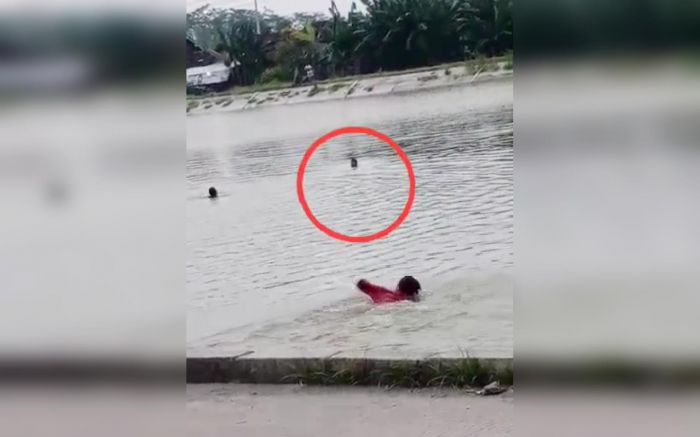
[213, 193]
[353, 162]
[409, 285]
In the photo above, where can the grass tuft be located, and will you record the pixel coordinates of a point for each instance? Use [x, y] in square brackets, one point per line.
[465, 372]
[225, 101]
[315, 90]
[508, 61]
[336, 86]
[192, 104]
[427, 78]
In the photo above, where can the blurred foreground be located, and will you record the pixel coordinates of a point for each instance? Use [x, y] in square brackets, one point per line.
[606, 238]
[303, 411]
[92, 228]
[92, 254]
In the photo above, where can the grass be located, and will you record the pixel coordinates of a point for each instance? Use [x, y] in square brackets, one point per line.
[260, 87]
[482, 65]
[315, 90]
[462, 373]
[336, 86]
[279, 85]
[225, 101]
[409, 71]
[508, 61]
[427, 78]
[192, 104]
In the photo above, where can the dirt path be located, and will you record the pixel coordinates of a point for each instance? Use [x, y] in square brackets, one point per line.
[293, 411]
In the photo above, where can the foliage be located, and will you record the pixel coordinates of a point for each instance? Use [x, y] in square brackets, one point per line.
[461, 373]
[274, 74]
[382, 35]
[410, 33]
[486, 27]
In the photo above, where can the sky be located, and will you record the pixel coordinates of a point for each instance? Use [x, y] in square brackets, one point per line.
[282, 7]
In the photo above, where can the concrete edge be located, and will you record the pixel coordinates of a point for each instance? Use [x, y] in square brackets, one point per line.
[348, 371]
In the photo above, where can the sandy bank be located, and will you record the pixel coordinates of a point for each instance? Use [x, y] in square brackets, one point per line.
[449, 76]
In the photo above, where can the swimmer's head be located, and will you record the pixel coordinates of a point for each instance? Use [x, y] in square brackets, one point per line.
[410, 286]
[213, 193]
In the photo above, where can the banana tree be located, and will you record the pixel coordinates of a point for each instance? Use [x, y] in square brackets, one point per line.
[486, 26]
[408, 33]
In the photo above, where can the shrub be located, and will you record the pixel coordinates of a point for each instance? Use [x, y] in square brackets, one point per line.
[509, 61]
[274, 74]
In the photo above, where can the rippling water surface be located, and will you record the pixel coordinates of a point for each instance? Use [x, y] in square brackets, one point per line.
[262, 278]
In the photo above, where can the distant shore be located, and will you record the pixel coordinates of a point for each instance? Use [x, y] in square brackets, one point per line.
[459, 74]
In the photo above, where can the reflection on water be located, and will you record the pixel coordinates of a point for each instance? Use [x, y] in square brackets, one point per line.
[261, 277]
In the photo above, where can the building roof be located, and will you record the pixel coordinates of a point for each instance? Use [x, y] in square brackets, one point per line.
[197, 57]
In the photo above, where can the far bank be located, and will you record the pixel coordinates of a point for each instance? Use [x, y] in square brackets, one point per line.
[460, 74]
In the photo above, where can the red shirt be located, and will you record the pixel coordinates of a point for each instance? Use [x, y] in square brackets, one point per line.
[380, 294]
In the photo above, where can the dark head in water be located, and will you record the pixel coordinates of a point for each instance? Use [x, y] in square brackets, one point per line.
[353, 162]
[213, 193]
[410, 286]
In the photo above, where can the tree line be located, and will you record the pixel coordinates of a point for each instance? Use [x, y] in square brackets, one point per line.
[383, 35]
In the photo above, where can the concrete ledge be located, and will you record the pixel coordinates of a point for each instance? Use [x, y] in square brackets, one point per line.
[609, 371]
[456, 372]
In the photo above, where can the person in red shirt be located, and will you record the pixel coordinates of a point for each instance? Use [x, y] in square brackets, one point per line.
[407, 289]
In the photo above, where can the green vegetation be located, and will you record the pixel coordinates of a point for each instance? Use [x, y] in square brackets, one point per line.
[466, 372]
[275, 85]
[427, 78]
[261, 87]
[225, 101]
[481, 65]
[273, 74]
[315, 90]
[192, 104]
[386, 35]
[336, 86]
[509, 61]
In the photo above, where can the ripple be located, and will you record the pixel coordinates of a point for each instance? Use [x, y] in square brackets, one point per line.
[254, 252]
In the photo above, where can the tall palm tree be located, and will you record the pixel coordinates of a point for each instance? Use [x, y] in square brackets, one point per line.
[487, 26]
[409, 33]
[341, 53]
[242, 42]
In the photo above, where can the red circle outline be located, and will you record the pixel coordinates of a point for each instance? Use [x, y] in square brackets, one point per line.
[380, 136]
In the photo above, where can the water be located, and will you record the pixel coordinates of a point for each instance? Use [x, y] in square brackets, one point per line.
[261, 277]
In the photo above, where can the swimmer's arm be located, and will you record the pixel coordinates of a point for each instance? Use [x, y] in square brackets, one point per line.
[373, 291]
